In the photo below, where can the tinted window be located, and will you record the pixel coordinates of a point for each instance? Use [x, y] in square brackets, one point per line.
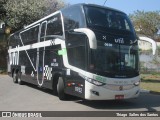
[54, 25]
[115, 59]
[76, 56]
[43, 31]
[34, 34]
[106, 18]
[73, 18]
[14, 40]
[76, 51]
[30, 36]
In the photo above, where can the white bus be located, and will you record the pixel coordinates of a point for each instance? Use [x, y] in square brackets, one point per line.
[84, 50]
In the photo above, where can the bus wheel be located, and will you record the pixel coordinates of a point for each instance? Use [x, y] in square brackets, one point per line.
[60, 89]
[15, 77]
[20, 82]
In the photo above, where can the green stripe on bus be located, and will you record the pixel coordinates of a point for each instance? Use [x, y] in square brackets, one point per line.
[62, 52]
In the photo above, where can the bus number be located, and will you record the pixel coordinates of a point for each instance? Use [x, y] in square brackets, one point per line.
[78, 89]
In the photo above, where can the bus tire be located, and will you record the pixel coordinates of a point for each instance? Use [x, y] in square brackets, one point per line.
[54, 84]
[60, 89]
[15, 77]
[20, 82]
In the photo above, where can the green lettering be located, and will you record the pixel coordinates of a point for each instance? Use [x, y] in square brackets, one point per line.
[100, 79]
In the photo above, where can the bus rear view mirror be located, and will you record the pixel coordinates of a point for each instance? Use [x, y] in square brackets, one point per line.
[91, 36]
[154, 46]
[2, 27]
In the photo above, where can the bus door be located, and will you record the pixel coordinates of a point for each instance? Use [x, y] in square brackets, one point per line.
[41, 53]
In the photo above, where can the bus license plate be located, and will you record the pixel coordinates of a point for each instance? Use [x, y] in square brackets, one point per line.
[118, 97]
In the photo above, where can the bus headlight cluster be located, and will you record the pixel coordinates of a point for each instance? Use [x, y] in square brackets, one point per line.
[95, 82]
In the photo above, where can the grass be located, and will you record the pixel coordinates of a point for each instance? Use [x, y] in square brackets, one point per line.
[150, 82]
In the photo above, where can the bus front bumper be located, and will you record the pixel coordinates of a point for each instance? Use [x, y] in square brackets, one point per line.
[93, 92]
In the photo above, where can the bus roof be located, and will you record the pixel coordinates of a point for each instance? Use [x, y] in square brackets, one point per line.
[100, 6]
[80, 4]
[93, 5]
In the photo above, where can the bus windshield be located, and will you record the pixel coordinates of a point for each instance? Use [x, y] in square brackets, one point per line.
[107, 19]
[114, 60]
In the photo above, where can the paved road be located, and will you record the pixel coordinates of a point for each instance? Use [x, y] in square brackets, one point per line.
[14, 97]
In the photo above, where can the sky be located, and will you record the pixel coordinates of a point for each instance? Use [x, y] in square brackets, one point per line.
[127, 6]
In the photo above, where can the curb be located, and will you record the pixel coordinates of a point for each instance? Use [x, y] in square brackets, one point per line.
[155, 93]
[144, 91]
[149, 91]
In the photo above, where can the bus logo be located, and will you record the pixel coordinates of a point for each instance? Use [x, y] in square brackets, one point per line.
[119, 40]
[121, 88]
[104, 37]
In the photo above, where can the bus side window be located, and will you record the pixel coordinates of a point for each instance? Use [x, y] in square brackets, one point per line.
[33, 37]
[76, 56]
[72, 18]
[30, 36]
[76, 51]
[54, 25]
[43, 31]
[13, 41]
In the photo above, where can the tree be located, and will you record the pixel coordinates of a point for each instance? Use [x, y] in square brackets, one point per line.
[146, 23]
[24, 12]
[17, 13]
[2, 9]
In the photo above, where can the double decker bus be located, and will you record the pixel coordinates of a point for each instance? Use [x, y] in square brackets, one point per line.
[84, 50]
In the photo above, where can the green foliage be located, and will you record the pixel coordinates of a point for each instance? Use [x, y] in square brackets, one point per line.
[3, 55]
[146, 23]
[24, 12]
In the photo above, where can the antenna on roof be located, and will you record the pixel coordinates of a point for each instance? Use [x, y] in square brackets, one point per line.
[104, 2]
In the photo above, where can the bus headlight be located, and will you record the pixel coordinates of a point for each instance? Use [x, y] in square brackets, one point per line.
[136, 83]
[95, 82]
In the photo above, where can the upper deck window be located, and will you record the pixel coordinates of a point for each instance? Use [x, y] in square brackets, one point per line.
[30, 36]
[73, 18]
[54, 25]
[106, 18]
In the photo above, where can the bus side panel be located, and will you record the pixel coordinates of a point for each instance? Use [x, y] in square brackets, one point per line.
[27, 61]
[53, 65]
[14, 68]
[74, 84]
